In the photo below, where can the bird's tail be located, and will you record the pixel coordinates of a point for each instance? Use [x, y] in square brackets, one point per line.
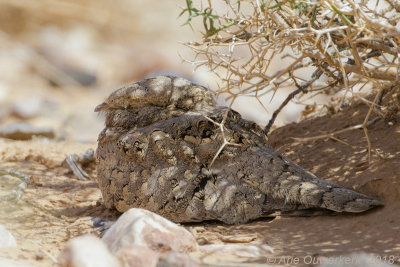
[294, 185]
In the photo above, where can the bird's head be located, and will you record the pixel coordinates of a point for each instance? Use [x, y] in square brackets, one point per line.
[162, 91]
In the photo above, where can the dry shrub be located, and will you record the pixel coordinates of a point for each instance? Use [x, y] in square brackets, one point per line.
[331, 47]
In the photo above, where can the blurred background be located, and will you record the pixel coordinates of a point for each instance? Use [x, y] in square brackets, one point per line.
[61, 58]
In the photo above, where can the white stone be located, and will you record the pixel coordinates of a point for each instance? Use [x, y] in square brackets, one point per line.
[6, 238]
[145, 228]
[87, 251]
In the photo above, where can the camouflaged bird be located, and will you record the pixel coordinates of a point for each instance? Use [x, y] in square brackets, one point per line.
[164, 149]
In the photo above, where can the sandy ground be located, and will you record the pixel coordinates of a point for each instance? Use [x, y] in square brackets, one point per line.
[57, 206]
[115, 41]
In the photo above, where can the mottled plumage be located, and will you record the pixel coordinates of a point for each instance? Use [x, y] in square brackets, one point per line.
[158, 152]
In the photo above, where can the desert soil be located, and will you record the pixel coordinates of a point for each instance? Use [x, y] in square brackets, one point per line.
[123, 41]
[57, 206]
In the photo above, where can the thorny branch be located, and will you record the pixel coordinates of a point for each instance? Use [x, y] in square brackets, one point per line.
[300, 89]
[352, 47]
[225, 141]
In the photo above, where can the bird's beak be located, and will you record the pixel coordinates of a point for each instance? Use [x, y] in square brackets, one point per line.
[101, 107]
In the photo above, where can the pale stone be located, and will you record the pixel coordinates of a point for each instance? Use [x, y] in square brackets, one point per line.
[6, 238]
[145, 228]
[87, 251]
